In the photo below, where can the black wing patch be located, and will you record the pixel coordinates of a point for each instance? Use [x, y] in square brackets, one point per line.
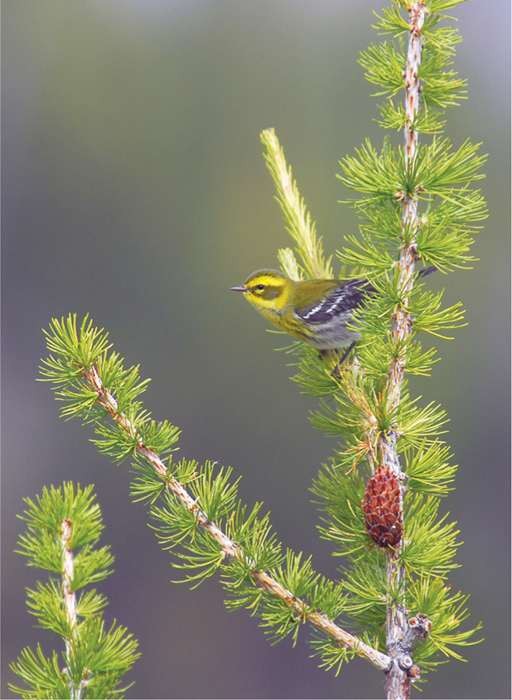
[341, 301]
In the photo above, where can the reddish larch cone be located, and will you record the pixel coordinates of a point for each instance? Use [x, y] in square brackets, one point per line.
[381, 508]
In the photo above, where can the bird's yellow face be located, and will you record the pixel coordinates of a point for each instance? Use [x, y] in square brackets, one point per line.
[267, 290]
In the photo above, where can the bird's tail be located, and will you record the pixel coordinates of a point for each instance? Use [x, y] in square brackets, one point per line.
[427, 271]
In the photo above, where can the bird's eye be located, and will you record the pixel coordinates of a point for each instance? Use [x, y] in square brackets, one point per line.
[260, 287]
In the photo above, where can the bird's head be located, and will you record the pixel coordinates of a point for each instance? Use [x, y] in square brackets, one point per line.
[267, 290]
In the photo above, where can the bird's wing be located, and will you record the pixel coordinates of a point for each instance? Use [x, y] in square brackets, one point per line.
[339, 302]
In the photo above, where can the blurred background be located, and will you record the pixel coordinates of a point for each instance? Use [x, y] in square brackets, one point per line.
[134, 189]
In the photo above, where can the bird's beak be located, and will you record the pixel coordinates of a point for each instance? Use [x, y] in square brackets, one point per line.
[239, 289]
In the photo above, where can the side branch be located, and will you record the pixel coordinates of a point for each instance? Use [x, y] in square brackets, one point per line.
[298, 219]
[228, 547]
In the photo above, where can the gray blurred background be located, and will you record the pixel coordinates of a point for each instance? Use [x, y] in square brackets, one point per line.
[134, 189]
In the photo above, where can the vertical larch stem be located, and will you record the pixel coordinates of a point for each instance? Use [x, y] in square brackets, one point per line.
[398, 678]
[68, 574]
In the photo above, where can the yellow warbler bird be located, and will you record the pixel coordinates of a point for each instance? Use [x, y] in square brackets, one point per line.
[315, 311]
